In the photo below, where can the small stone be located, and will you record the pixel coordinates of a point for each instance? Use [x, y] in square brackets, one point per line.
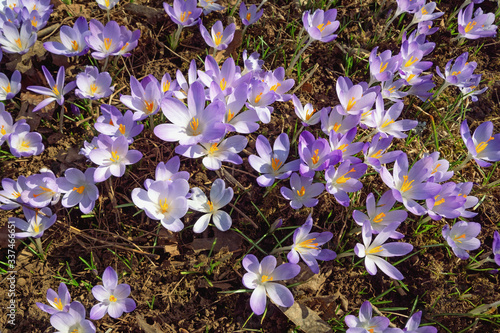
[21, 282]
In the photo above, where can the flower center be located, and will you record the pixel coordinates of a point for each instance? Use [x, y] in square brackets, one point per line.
[222, 83]
[383, 66]
[163, 205]
[122, 129]
[379, 218]
[74, 45]
[166, 86]
[55, 90]
[257, 99]
[351, 103]
[149, 106]
[265, 278]
[406, 184]
[18, 43]
[218, 38]
[193, 124]
[58, 302]
[34, 21]
[230, 115]
[25, 145]
[213, 148]
[7, 89]
[44, 190]
[457, 238]
[107, 43]
[482, 145]
[210, 205]
[273, 88]
[309, 114]
[276, 163]
[93, 88]
[438, 202]
[344, 179]
[2, 130]
[112, 298]
[308, 244]
[315, 157]
[470, 26]
[377, 154]
[387, 123]
[184, 17]
[336, 127]
[436, 168]
[79, 189]
[322, 26]
[249, 16]
[114, 156]
[301, 192]
[376, 250]
[411, 61]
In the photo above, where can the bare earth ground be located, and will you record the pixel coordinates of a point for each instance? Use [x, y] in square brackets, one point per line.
[174, 270]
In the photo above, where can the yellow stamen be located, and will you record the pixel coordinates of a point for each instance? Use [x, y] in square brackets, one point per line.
[343, 147]
[34, 21]
[58, 302]
[25, 145]
[18, 43]
[163, 205]
[377, 154]
[44, 190]
[379, 218]
[436, 168]
[249, 16]
[265, 278]
[3, 131]
[210, 205]
[184, 17]
[79, 189]
[106, 2]
[344, 179]
[166, 86]
[302, 191]
[114, 156]
[336, 127]
[308, 244]
[7, 89]
[456, 73]
[194, 123]
[273, 88]
[213, 148]
[218, 38]
[74, 44]
[482, 145]
[257, 99]
[112, 298]
[322, 26]
[93, 88]
[149, 106]
[387, 123]
[276, 163]
[36, 228]
[424, 11]
[315, 157]
[16, 194]
[55, 90]
[411, 76]
[223, 84]
[383, 66]
[122, 129]
[107, 43]
[111, 122]
[411, 61]
[456, 238]
[376, 250]
[406, 185]
[124, 47]
[230, 115]
[391, 89]
[470, 26]
[309, 114]
[438, 202]
[351, 103]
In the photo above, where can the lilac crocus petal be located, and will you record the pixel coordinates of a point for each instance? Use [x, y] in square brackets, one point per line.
[93, 85]
[365, 322]
[478, 27]
[184, 12]
[249, 15]
[321, 25]
[9, 88]
[73, 320]
[412, 326]
[219, 38]
[462, 237]
[104, 40]
[72, 39]
[496, 247]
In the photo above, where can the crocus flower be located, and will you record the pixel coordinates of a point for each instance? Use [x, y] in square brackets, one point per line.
[250, 15]
[9, 88]
[365, 323]
[35, 224]
[303, 192]
[164, 201]
[462, 237]
[463, 190]
[426, 13]
[336, 121]
[447, 203]
[209, 6]
[106, 4]
[260, 98]
[385, 121]
[375, 152]
[25, 143]
[56, 91]
[412, 326]
[391, 90]
[461, 71]
[373, 251]
[183, 12]
[72, 321]
[243, 122]
[307, 113]
[479, 26]
[79, 188]
[251, 63]
[113, 297]
[411, 57]
[194, 123]
[72, 39]
[344, 179]
[115, 124]
[168, 172]
[270, 162]
[10, 196]
[262, 278]
[440, 169]
[470, 87]
[220, 38]
[342, 143]
[42, 189]
[315, 154]
[408, 6]
[408, 186]
[104, 40]
[220, 196]
[380, 214]
[355, 99]
[225, 77]
[425, 28]
[112, 156]
[321, 25]
[93, 85]
[307, 245]
[482, 145]
[13, 41]
[59, 301]
[145, 99]
[130, 40]
[383, 66]
[7, 126]
[38, 20]
[496, 247]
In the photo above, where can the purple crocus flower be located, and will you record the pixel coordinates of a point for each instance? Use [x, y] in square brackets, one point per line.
[482, 145]
[463, 189]
[412, 326]
[408, 186]
[104, 40]
[79, 189]
[113, 123]
[56, 91]
[168, 86]
[42, 189]
[250, 15]
[130, 40]
[270, 162]
[425, 28]
[168, 172]
[375, 152]
[307, 113]
[422, 88]
[343, 180]
[336, 121]
[373, 251]
[342, 143]
[470, 86]
[23, 143]
[72, 39]
[242, 122]
[194, 123]
[461, 71]
[7, 125]
[220, 38]
[113, 297]
[145, 99]
[365, 323]
[164, 201]
[447, 203]
[210, 6]
[14, 41]
[383, 66]
[260, 97]
[385, 121]
[391, 89]
[307, 245]
[184, 12]
[10, 196]
[496, 247]
[408, 6]
[426, 13]
[462, 237]
[35, 224]
[226, 77]
[303, 192]
[355, 99]
[380, 214]
[59, 301]
[9, 88]
[479, 26]
[411, 57]
[321, 25]
[106, 4]
[440, 168]
[220, 196]
[93, 85]
[262, 278]
[112, 156]
[315, 154]
[38, 20]
[73, 320]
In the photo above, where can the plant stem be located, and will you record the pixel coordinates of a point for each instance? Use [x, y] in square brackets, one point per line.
[177, 36]
[38, 242]
[297, 56]
[345, 254]
[61, 118]
[463, 164]
[105, 64]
